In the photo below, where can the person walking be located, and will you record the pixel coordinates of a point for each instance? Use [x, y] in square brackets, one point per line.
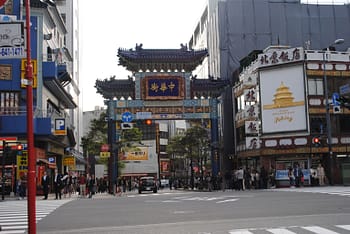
[91, 185]
[82, 185]
[320, 174]
[57, 184]
[45, 181]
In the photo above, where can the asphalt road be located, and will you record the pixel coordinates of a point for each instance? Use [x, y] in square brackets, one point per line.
[233, 212]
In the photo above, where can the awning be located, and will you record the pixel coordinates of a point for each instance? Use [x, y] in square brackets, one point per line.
[45, 161]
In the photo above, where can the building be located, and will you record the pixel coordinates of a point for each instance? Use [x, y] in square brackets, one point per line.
[55, 91]
[281, 117]
[231, 29]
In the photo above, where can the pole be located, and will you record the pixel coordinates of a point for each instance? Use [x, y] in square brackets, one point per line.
[4, 153]
[328, 118]
[30, 136]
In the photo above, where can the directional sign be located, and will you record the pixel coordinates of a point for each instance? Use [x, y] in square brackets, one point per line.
[344, 89]
[127, 117]
[335, 98]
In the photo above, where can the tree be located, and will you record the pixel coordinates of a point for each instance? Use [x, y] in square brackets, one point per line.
[96, 137]
[193, 145]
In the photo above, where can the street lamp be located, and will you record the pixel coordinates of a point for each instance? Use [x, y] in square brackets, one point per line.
[328, 117]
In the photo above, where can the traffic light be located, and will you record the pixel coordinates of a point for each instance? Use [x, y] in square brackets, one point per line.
[316, 141]
[148, 121]
[144, 122]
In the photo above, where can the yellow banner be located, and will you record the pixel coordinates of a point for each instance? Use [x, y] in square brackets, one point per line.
[69, 161]
[22, 164]
[136, 154]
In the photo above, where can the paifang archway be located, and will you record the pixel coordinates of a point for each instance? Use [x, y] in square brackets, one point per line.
[162, 85]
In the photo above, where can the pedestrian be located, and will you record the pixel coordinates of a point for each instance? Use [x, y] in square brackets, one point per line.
[297, 175]
[91, 185]
[291, 177]
[240, 177]
[57, 184]
[82, 185]
[20, 188]
[272, 174]
[320, 174]
[45, 182]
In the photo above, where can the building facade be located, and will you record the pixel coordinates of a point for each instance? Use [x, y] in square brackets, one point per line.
[282, 109]
[55, 130]
[231, 29]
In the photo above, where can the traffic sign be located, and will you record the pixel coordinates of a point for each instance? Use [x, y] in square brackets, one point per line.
[344, 89]
[127, 117]
[335, 98]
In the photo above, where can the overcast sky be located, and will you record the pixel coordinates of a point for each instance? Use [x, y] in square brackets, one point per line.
[107, 25]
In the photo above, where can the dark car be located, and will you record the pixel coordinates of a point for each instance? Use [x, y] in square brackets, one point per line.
[148, 184]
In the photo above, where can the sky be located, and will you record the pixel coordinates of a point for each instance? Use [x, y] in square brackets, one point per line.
[107, 25]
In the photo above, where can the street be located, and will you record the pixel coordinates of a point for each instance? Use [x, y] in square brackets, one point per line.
[303, 210]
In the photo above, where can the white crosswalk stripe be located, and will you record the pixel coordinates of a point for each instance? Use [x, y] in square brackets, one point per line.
[336, 190]
[292, 230]
[14, 217]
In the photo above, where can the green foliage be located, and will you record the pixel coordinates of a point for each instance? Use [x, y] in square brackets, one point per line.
[96, 136]
[131, 135]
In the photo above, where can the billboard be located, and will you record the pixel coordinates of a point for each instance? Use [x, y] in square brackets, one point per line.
[12, 40]
[140, 159]
[283, 103]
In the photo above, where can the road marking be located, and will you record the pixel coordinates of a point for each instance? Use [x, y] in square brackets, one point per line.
[280, 231]
[346, 227]
[240, 231]
[319, 230]
[228, 200]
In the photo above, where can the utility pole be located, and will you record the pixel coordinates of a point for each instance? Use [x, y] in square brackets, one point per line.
[30, 136]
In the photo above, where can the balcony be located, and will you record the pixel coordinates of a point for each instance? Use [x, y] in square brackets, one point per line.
[55, 78]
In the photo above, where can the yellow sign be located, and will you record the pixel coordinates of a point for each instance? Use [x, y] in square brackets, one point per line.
[136, 154]
[105, 154]
[69, 161]
[35, 72]
[22, 164]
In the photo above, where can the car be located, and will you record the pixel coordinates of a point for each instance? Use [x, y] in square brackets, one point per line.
[148, 183]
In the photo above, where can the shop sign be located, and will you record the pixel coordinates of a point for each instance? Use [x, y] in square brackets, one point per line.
[68, 161]
[278, 56]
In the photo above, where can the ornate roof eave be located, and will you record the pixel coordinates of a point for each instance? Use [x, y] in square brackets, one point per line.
[208, 87]
[115, 88]
[161, 59]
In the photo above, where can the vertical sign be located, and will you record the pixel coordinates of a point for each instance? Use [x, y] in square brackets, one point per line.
[60, 127]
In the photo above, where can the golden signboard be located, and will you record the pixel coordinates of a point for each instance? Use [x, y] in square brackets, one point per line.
[69, 161]
[35, 72]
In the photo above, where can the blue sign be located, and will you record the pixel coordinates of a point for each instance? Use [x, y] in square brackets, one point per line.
[127, 117]
[344, 89]
[335, 98]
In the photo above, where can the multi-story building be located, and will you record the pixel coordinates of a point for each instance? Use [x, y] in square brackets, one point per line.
[282, 108]
[231, 29]
[55, 91]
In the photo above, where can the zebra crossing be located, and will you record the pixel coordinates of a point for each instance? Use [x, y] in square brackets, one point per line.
[330, 190]
[336, 229]
[14, 216]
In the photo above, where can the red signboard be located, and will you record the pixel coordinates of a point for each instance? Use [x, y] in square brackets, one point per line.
[105, 148]
[2, 3]
[7, 139]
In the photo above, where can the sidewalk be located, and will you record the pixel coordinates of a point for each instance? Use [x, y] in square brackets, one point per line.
[52, 197]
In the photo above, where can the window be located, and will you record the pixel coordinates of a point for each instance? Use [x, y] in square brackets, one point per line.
[9, 102]
[315, 86]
